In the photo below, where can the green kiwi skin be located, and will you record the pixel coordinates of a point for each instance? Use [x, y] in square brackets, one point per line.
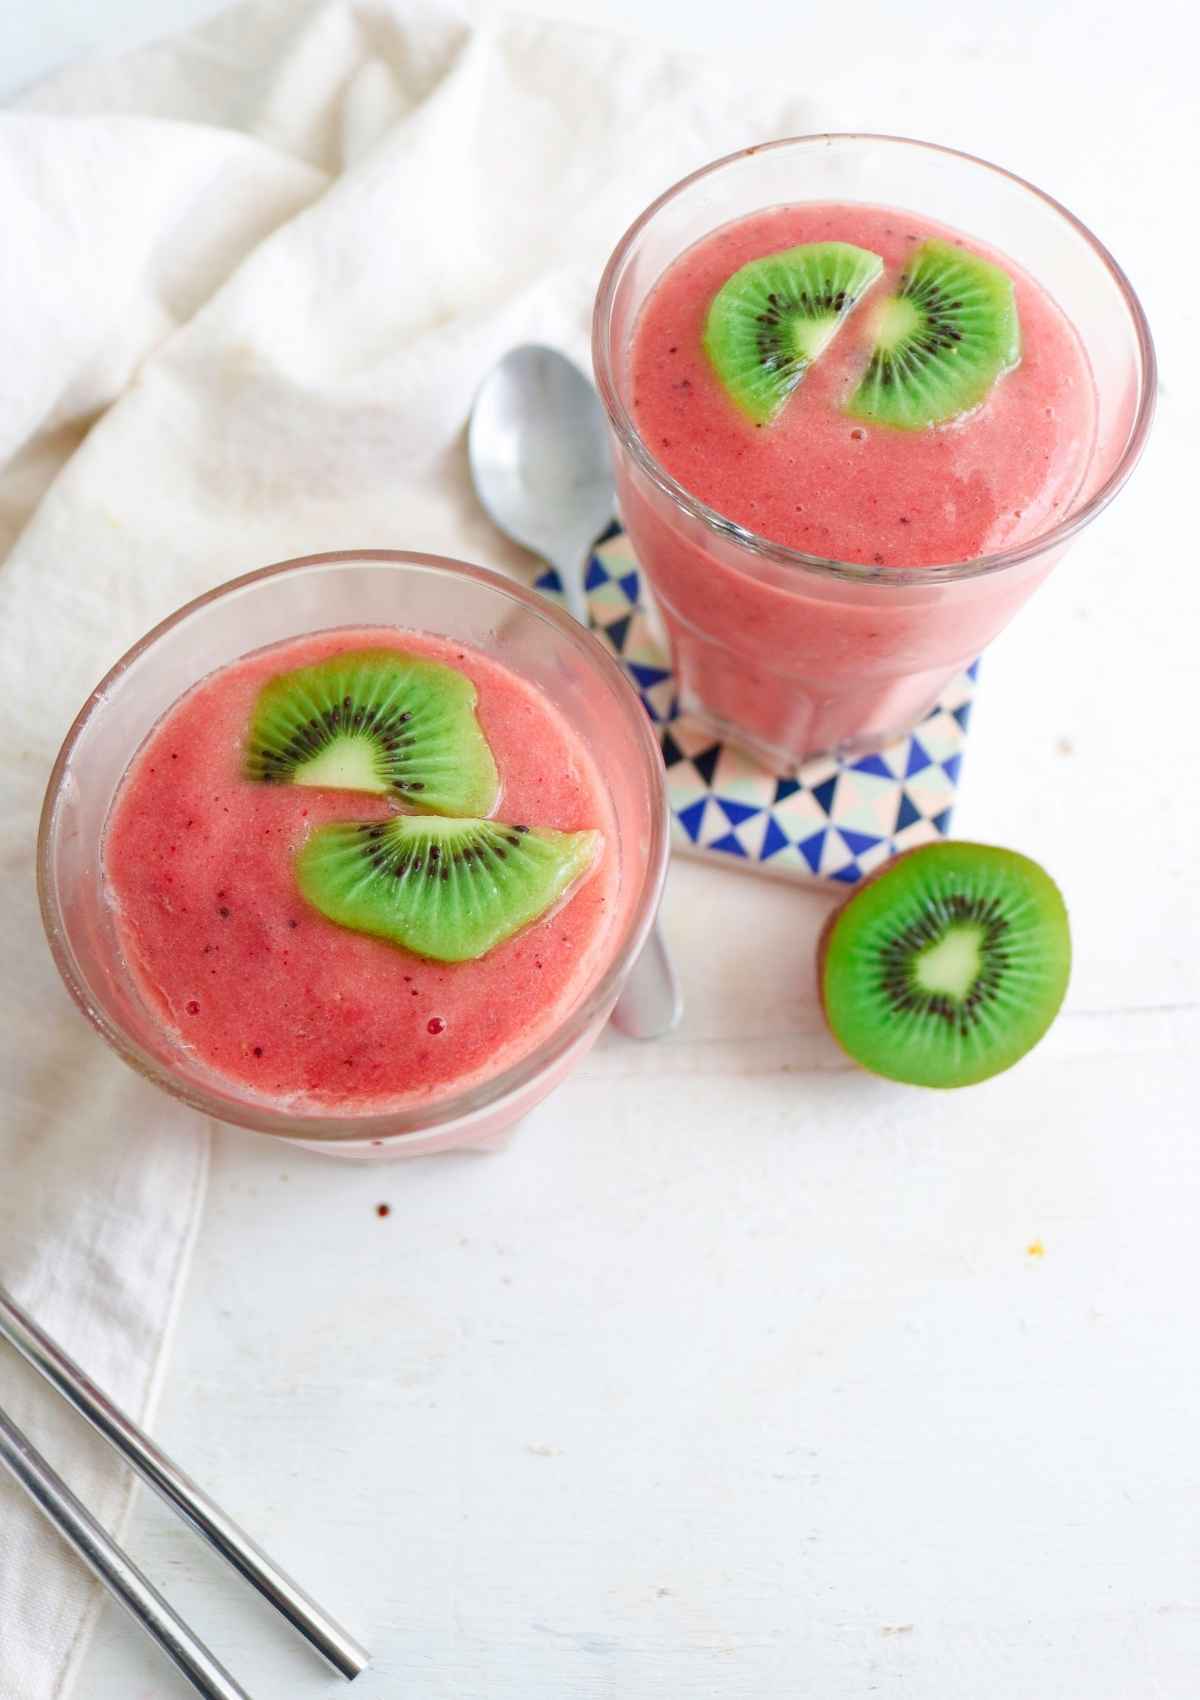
[831, 921]
[836, 916]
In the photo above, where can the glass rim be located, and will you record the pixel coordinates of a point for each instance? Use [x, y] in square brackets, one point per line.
[780, 554]
[414, 1124]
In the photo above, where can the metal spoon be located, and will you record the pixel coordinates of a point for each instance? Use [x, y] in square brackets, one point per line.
[539, 454]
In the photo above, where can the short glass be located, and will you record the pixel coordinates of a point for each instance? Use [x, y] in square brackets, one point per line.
[792, 654]
[316, 593]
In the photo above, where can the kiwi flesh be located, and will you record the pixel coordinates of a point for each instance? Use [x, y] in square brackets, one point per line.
[941, 340]
[377, 720]
[775, 315]
[947, 966]
[446, 889]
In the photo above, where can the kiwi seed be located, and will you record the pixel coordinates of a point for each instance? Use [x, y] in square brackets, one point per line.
[446, 889]
[947, 966]
[775, 315]
[941, 341]
[377, 720]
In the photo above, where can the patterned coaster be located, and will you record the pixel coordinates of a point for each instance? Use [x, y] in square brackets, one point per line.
[836, 820]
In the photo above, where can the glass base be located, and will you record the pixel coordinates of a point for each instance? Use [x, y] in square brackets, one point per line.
[393, 1150]
[786, 763]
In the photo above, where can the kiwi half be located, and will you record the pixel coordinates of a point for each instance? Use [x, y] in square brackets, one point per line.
[948, 966]
[447, 889]
[376, 720]
[941, 341]
[774, 316]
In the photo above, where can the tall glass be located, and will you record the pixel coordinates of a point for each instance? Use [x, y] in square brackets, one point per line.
[793, 654]
[315, 593]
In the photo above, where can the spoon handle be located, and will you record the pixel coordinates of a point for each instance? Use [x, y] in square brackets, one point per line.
[651, 1002]
[569, 561]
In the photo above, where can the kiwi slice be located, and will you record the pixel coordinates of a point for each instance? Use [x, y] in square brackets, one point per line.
[774, 316]
[377, 720]
[947, 966]
[448, 889]
[941, 340]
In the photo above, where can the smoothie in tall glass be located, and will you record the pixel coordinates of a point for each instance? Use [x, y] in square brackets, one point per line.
[852, 438]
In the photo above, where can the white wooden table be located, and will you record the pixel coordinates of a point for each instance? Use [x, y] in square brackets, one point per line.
[743, 1375]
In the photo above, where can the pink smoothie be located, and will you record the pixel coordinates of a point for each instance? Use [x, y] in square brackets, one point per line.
[282, 1003]
[801, 665]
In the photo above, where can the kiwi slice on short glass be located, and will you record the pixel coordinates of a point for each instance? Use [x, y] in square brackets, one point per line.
[774, 316]
[447, 889]
[947, 966]
[941, 341]
[376, 720]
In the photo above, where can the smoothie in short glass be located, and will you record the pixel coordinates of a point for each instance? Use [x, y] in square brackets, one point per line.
[280, 1000]
[357, 851]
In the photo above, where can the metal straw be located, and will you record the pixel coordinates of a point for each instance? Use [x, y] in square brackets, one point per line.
[333, 1643]
[119, 1574]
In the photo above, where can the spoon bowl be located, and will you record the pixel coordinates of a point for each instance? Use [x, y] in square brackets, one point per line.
[540, 460]
[541, 463]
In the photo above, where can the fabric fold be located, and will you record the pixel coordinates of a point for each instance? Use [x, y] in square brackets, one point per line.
[252, 278]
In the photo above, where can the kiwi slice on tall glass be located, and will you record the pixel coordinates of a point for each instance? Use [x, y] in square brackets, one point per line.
[446, 889]
[378, 720]
[948, 966]
[941, 341]
[775, 315]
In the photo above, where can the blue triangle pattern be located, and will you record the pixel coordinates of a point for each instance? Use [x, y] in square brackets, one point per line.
[618, 632]
[811, 849]
[918, 759]
[962, 714]
[647, 676]
[705, 762]
[629, 584]
[731, 844]
[774, 840]
[738, 812]
[873, 764]
[942, 822]
[908, 812]
[859, 841]
[786, 788]
[660, 717]
[595, 575]
[670, 750]
[849, 875]
[548, 582]
[691, 817]
[950, 768]
[823, 793]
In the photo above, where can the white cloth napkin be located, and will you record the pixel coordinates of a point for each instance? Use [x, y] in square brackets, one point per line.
[250, 281]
